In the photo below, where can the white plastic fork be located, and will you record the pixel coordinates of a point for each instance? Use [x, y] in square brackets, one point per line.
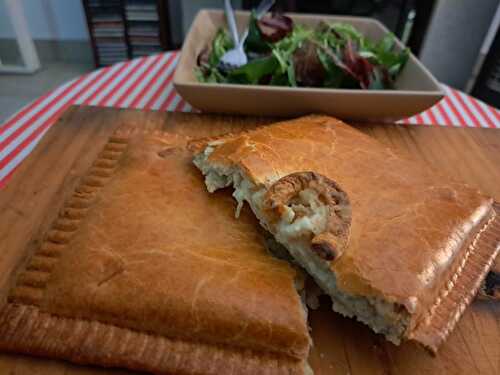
[236, 56]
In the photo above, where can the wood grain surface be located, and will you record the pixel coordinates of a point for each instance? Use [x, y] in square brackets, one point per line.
[341, 346]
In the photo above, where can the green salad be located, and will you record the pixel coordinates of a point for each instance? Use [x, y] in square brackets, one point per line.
[282, 53]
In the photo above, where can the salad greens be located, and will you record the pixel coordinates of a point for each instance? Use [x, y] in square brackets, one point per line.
[282, 53]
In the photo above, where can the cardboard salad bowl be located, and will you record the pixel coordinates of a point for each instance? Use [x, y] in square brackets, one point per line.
[416, 88]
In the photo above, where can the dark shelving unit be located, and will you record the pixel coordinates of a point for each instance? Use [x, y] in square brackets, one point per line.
[125, 29]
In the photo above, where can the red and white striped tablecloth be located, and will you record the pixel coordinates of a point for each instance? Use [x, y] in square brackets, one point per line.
[146, 83]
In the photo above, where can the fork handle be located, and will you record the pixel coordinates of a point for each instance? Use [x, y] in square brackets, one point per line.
[261, 10]
[231, 22]
[264, 7]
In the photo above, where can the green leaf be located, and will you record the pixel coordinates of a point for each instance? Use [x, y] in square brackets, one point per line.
[387, 43]
[254, 41]
[220, 45]
[291, 74]
[386, 54]
[348, 31]
[367, 54]
[377, 82]
[289, 44]
[200, 77]
[279, 80]
[253, 71]
[396, 64]
[213, 76]
[283, 59]
[334, 75]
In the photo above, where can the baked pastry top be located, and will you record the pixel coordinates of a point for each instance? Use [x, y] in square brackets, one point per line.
[412, 232]
[140, 246]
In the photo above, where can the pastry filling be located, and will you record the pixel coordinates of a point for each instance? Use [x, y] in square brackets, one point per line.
[300, 221]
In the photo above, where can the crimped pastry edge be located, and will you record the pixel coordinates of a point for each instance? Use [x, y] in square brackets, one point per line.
[461, 287]
[434, 331]
[28, 330]
[25, 328]
[32, 279]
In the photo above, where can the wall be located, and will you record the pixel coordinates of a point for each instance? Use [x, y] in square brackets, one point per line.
[182, 14]
[65, 19]
[454, 38]
[49, 19]
[190, 8]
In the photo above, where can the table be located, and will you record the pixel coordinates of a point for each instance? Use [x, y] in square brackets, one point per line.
[342, 346]
[146, 83]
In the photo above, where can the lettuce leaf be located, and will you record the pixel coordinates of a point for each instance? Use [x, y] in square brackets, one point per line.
[333, 55]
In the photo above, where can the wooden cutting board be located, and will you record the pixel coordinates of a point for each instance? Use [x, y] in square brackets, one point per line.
[341, 346]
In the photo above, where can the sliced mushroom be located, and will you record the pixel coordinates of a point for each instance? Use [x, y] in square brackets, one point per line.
[308, 194]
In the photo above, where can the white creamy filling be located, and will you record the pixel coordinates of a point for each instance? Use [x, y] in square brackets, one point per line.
[295, 234]
[303, 218]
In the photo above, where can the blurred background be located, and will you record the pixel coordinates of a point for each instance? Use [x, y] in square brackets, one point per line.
[43, 43]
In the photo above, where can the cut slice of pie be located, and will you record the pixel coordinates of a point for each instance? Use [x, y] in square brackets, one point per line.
[394, 244]
[143, 270]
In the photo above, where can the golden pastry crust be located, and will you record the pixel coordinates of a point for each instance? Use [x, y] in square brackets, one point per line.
[411, 228]
[27, 329]
[140, 251]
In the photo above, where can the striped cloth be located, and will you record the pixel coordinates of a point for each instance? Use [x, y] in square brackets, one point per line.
[146, 83]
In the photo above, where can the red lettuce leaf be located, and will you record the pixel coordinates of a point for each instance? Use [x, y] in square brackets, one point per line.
[309, 71]
[275, 28]
[359, 67]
